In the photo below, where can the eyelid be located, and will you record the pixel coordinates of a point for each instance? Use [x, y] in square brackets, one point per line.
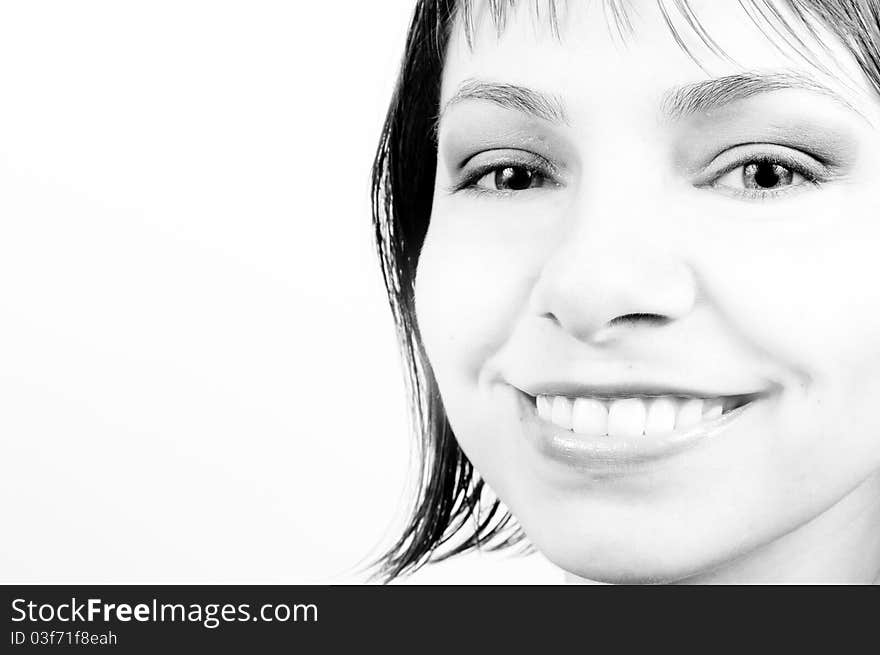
[808, 165]
[479, 164]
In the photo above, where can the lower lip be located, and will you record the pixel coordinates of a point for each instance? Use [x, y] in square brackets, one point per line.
[618, 452]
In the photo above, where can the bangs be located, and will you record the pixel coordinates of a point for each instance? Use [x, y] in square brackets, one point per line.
[791, 25]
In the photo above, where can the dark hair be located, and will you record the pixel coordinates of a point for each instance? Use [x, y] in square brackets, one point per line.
[450, 493]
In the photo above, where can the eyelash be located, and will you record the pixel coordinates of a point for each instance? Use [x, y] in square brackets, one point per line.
[813, 176]
[530, 162]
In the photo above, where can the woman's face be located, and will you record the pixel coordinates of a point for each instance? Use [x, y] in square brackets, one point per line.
[649, 289]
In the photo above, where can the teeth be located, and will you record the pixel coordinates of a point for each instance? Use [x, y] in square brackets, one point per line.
[626, 417]
[661, 417]
[561, 412]
[545, 407]
[590, 417]
[689, 414]
[630, 417]
[712, 409]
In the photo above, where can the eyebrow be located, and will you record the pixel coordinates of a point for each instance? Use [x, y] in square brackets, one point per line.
[707, 95]
[527, 101]
[677, 103]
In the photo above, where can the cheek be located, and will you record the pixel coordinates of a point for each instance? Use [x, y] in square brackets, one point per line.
[805, 296]
[804, 289]
[472, 285]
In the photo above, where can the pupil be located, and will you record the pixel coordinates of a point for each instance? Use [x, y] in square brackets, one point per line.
[766, 175]
[513, 178]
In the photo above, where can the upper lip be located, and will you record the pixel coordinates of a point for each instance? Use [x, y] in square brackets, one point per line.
[552, 370]
[628, 388]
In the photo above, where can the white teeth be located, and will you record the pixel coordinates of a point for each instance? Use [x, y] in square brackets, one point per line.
[712, 409]
[630, 417]
[561, 413]
[661, 417]
[589, 416]
[626, 417]
[545, 407]
[689, 414]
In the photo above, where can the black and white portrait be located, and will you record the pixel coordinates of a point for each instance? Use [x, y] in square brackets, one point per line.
[440, 291]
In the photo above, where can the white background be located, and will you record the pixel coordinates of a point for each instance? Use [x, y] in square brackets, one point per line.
[198, 374]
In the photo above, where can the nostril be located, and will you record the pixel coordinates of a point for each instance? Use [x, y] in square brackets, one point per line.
[651, 320]
[550, 316]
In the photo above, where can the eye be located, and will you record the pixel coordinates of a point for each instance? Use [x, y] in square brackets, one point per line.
[506, 172]
[761, 171]
[762, 176]
[511, 178]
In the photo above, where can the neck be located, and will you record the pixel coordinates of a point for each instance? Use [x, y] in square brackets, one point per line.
[840, 546]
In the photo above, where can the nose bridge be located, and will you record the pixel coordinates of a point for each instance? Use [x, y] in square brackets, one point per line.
[622, 180]
[614, 262]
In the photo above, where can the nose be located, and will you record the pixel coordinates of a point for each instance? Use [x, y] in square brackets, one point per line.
[599, 285]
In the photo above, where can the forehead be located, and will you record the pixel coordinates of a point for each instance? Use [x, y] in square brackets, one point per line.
[593, 53]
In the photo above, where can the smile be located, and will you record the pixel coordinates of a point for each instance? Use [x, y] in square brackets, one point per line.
[617, 429]
[635, 417]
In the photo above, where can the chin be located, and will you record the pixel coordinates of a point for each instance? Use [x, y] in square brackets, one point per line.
[646, 556]
[631, 566]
